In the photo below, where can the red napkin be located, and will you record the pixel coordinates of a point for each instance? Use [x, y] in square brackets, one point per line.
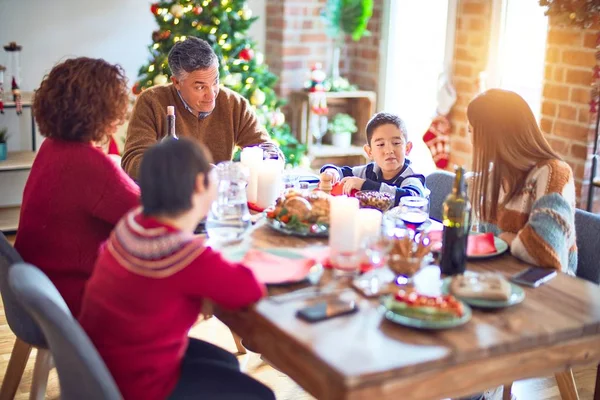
[270, 268]
[255, 207]
[478, 243]
[338, 190]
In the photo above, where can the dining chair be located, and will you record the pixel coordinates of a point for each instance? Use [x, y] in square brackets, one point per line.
[28, 335]
[440, 184]
[587, 226]
[81, 371]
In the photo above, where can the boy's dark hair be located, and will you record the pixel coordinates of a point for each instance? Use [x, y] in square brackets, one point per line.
[384, 118]
[168, 176]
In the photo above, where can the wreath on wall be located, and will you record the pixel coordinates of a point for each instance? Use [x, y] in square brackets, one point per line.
[584, 13]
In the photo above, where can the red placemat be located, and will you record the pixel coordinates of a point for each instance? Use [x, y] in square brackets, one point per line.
[273, 269]
[478, 243]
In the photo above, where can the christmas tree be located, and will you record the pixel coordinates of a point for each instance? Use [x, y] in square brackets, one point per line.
[224, 24]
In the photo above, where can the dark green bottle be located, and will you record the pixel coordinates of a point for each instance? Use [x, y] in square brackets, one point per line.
[456, 220]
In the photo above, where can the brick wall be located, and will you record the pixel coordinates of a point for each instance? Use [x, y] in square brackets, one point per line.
[296, 40]
[471, 47]
[566, 120]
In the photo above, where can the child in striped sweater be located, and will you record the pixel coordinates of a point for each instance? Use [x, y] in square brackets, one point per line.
[522, 190]
[390, 172]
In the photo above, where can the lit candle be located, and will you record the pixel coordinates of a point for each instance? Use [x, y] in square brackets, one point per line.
[343, 223]
[369, 223]
[270, 182]
[252, 158]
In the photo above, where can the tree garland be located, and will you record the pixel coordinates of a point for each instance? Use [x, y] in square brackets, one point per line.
[584, 13]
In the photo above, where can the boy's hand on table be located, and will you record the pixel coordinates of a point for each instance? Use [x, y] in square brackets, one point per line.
[335, 176]
[350, 183]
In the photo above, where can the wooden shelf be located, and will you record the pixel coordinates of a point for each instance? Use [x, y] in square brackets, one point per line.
[9, 219]
[596, 182]
[26, 99]
[333, 151]
[17, 161]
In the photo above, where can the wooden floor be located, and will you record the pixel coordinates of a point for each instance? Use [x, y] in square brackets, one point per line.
[285, 389]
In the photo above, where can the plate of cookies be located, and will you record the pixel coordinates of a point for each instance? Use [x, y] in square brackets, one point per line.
[483, 290]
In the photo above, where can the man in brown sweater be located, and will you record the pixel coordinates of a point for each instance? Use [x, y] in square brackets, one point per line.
[218, 117]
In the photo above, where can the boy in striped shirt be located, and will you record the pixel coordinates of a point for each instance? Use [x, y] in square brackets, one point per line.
[390, 171]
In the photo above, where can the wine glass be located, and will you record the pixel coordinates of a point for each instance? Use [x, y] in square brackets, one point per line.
[414, 211]
[318, 127]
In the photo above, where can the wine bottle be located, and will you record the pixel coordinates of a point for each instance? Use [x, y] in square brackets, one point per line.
[170, 124]
[456, 220]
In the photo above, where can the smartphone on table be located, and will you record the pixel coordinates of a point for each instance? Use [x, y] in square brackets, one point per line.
[327, 309]
[534, 276]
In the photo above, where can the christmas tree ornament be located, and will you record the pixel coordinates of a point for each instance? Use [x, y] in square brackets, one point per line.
[246, 12]
[317, 77]
[246, 54]
[259, 58]
[161, 79]
[136, 89]
[277, 118]
[258, 97]
[16, 92]
[197, 10]
[154, 8]
[177, 10]
[13, 74]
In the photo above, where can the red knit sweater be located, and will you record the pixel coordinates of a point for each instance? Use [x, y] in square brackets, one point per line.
[73, 198]
[146, 293]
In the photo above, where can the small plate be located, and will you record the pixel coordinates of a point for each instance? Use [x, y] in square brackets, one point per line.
[236, 254]
[281, 227]
[501, 248]
[517, 295]
[423, 323]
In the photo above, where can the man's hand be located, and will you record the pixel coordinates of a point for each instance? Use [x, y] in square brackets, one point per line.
[352, 182]
[508, 237]
[335, 175]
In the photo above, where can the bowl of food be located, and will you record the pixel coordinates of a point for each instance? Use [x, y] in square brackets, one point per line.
[373, 199]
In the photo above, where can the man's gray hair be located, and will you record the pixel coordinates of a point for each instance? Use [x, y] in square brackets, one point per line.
[191, 55]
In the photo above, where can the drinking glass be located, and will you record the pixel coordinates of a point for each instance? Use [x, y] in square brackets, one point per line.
[414, 211]
[318, 127]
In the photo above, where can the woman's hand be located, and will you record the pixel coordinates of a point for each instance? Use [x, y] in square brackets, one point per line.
[352, 182]
[508, 237]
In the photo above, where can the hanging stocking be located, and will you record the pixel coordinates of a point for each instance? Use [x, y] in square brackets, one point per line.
[438, 141]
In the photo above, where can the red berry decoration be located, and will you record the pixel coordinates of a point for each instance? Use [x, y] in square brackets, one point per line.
[154, 8]
[136, 89]
[246, 54]
[197, 10]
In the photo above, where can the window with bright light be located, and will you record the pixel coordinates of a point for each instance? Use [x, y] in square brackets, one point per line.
[517, 51]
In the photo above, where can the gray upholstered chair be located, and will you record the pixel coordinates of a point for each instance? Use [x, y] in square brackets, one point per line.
[440, 184]
[587, 227]
[27, 332]
[81, 371]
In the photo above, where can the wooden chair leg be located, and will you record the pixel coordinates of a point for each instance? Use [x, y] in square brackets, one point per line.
[238, 344]
[566, 385]
[43, 363]
[14, 371]
[507, 392]
[597, 390]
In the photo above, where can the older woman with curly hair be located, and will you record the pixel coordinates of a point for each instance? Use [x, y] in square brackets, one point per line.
[75, 194]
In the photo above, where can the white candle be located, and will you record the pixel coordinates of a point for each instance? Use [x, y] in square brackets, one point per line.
[343, 223]
[252, 158]
[369, 223]
[270, 181]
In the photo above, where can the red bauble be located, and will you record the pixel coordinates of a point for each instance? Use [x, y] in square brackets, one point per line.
[136, 89]
[154, 8]
[246, 54]
[197, 10]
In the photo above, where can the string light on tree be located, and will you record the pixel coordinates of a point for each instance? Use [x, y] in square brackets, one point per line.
[258, 97]
[161, 79]
[177, 10]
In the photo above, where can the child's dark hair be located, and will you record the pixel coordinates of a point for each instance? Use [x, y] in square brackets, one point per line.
[384, 118]
[168, 176]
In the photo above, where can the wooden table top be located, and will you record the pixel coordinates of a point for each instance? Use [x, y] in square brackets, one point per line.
[351, 356]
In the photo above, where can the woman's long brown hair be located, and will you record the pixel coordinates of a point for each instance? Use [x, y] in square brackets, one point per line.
[507, 144]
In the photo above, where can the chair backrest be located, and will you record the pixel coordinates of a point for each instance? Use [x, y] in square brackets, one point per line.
[440, 184]
[587, 229]
[18, 319]
[81, 371]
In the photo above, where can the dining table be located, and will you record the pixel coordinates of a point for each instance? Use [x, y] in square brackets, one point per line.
[365, 356]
